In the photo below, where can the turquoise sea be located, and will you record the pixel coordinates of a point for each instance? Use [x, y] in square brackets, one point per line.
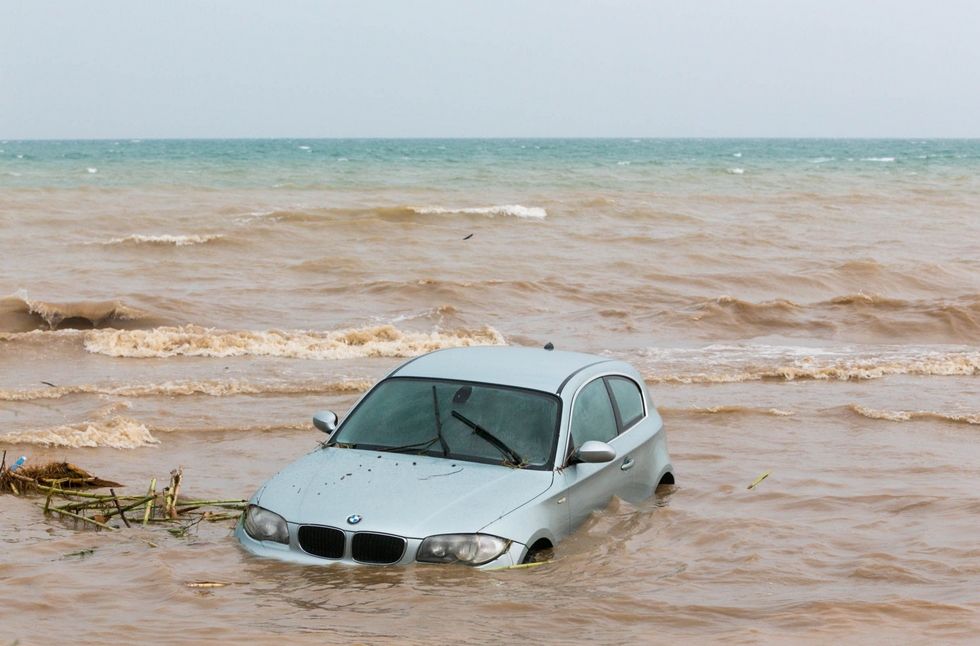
[470, 164]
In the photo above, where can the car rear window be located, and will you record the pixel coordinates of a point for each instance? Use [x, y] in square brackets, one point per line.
[629, 400]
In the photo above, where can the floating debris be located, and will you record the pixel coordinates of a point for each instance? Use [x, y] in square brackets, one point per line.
[31, 477]
[80, 553]
[760, 479]
[62, 484]
[519, 566]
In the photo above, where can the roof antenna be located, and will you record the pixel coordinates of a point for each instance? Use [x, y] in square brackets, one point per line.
[549, 346]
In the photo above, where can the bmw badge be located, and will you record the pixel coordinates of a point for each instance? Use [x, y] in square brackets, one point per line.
[353, 519]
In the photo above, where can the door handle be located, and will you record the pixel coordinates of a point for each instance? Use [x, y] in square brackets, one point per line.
[628, 464]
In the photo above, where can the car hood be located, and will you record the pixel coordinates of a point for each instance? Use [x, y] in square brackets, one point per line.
[406, 495]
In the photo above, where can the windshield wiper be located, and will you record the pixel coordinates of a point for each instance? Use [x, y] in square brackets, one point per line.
[489, 437]
[407, 448]
[442, 440]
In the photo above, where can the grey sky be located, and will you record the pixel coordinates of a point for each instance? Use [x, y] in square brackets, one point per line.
[833, 68]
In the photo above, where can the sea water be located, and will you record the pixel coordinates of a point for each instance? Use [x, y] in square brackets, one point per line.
[809, 307]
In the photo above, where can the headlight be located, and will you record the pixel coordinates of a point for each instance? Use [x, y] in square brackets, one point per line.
[263, 525]
[471, 549]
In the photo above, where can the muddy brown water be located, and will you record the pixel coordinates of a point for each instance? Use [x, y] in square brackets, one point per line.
[819, 324]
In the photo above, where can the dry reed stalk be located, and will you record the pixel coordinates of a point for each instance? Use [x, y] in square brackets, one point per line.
[173, 491]
[81, 494]
[217, 517]
[78, 516]
[119, 508]
[152, 494]
[47, 501]
[139, 503]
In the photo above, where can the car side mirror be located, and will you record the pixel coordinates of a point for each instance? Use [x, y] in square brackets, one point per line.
[325, 421]
[593, 452]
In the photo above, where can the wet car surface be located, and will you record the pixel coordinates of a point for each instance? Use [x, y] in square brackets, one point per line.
[482, 456]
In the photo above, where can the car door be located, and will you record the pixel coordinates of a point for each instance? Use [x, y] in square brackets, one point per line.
[637, 437]
[591, 486]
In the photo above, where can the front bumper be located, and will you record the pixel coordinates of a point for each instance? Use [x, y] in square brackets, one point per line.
[295, 554]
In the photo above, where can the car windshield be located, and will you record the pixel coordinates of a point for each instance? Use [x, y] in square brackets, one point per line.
[457, 420]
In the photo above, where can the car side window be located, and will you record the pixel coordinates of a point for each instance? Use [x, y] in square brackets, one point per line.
[628, 398]
[592, 415]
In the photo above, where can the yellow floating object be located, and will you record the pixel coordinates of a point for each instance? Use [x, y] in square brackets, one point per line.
[522, 566]
[207, 584]
[761, 478]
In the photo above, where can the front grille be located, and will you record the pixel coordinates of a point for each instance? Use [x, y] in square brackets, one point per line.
[326, 542]
[381, 549]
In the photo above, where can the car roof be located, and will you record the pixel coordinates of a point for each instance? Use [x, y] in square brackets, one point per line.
[533, 368]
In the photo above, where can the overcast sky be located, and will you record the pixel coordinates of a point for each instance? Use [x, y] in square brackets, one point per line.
[500, 68]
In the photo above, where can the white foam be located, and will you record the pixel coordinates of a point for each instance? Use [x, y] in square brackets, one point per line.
[821, 160]
[177, 241]
[907, 415]
[736, 154]
[623, 163]
[209, 387]
[515, 210]
[194, 341]
[115, 432]
[739, 363]
[92, 170]
[256, 214]
[879, 159]
[304, 147]
[744, 410]
[736, 171]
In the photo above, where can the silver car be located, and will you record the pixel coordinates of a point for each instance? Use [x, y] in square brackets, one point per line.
[483, 456]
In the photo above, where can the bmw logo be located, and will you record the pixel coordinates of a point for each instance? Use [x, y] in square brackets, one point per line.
[353, 519]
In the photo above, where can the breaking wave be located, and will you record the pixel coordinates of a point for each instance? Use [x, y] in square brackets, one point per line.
[176, 241]
[212, 388]
[515, 210]
[19, 313]
[907, 416]
[727, 410]
[872, 316]
[106, 430]
[735, 364]
[194, 341]
[306, 214]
